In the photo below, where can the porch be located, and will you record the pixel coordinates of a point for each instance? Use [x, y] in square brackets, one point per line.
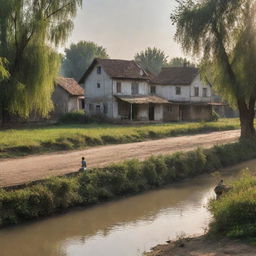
[141, 108]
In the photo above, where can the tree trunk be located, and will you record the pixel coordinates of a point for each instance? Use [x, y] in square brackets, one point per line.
[247, 114]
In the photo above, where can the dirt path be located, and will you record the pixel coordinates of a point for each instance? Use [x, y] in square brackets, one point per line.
[204, 246]
[22, 170]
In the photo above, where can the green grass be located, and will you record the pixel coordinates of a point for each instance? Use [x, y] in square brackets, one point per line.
[19, 142]
[56, 194]
[234, 214]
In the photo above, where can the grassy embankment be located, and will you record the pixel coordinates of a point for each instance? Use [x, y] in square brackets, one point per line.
[57, 194]
[22, 142]
[234, 215]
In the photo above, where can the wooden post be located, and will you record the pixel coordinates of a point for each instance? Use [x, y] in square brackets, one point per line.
[131, 112]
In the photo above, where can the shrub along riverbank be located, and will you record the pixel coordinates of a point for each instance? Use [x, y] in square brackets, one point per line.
[234, 214]
[22, 142]
[98, 185]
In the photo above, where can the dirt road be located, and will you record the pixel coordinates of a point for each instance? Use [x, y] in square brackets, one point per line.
[22, 170]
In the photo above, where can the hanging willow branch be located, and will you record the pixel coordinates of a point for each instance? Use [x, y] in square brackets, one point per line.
[28, 31]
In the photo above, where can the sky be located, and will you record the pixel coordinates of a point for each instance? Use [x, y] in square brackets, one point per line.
[125, 27]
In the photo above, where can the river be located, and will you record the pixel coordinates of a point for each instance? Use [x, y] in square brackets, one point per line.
[126, 227]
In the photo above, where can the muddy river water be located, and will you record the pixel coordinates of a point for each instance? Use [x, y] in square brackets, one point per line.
[126, 227]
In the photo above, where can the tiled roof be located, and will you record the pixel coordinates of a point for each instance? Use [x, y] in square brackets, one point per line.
[142, 99]
[70, 85]
[176, 76]
[119, 69]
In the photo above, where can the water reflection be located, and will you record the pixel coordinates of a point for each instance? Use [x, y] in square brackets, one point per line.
[125, 227]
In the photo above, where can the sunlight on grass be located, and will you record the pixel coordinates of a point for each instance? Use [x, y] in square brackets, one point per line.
[35, 136]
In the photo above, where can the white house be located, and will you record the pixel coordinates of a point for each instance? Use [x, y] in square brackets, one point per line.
[121, 89]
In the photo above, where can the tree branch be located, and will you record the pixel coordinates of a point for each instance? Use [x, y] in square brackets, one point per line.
[58, 10]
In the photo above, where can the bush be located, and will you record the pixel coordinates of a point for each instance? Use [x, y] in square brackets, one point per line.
[234, 213]
[215, 116]
[77, 117]
[97, 185]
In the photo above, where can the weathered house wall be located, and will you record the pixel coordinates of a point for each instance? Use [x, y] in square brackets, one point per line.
[102, 96]
[197, 83]
[60, 99]
[195, 112]
[169, 92]
[171, 113]
[187, 92]
[142, 113]
[126, 87]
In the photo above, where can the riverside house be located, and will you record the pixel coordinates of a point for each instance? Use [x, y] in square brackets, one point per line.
[68, 96]
[123, 90]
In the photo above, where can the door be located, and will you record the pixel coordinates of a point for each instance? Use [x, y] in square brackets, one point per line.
[151, 112]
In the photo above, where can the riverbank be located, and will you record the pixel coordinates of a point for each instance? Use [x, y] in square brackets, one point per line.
[233, 217]
[204, 246]
[98, 185]
[23, 142]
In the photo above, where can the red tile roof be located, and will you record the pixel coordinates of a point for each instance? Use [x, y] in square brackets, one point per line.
[70, 85]
[176, 76]
[118, 69]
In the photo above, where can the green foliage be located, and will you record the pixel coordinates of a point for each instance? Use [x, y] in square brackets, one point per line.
[217, 32]
[4, 74]
[180, 62]
[79, 57]
[215, 116]
[77, 117]
[152, 59]
[64, 137]
[234, 214]
[27, 30]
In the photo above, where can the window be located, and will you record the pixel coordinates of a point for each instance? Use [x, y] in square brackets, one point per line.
[196, 91]
[97, 108]
[178, 91]
[118, 87]
[105, 108]
[82, 104]
[204, 92]
[169, 108]
[98, 85]
[153, 90]
[135, 88]
[91, 107]
[98, 70]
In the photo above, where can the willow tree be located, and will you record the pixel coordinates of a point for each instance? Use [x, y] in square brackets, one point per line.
[152, 59]
[4, 74]
[223, 34]
[29, 31]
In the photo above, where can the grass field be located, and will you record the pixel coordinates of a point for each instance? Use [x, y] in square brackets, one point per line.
[20, 142]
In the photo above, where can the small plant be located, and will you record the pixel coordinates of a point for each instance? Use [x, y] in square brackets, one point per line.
[215, 116]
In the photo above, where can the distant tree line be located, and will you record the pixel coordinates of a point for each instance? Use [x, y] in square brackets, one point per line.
[79, 56]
